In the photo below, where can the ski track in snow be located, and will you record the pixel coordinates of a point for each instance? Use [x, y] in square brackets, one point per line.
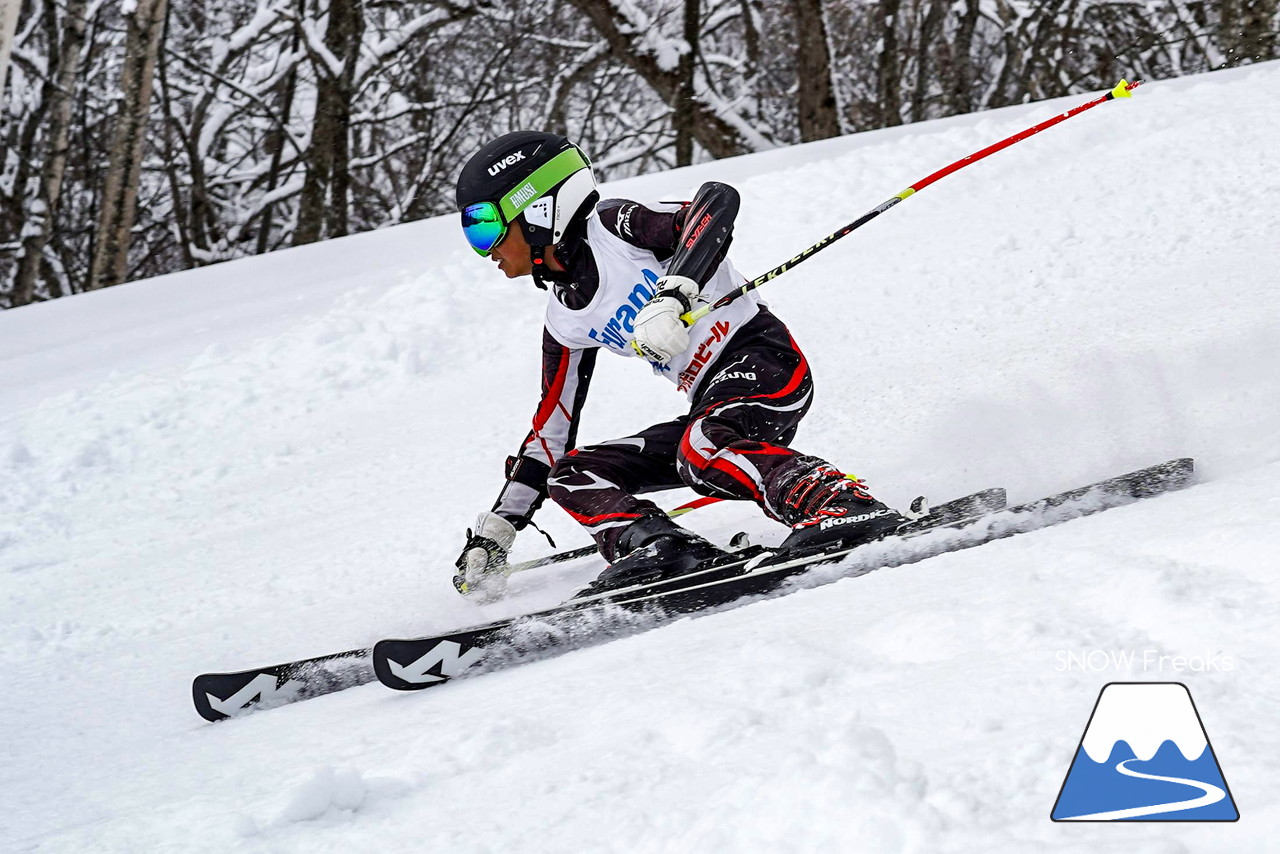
[277, 458]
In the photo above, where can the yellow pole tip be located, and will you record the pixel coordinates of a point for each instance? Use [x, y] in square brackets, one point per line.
[1121, 90]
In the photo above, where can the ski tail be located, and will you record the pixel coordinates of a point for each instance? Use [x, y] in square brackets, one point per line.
[219, 696]
[1095, 498]
[408, 665]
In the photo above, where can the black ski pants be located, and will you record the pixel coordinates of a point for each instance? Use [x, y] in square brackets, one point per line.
[731, 444]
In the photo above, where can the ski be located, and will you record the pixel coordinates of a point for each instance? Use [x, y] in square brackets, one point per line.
[218, 696]
[222, 695]
[414, 664]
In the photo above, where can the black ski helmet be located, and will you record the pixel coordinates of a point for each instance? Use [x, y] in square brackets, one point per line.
[540, 181]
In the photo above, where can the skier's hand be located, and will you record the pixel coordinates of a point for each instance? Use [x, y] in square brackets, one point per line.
[482, 566]
[660, 333]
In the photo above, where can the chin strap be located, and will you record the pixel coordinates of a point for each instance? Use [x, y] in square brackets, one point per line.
[536, 255]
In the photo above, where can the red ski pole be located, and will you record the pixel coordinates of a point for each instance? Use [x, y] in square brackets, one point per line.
[1121, 90]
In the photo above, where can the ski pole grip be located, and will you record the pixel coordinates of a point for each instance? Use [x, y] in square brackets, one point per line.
[691, 317]
[688, 319]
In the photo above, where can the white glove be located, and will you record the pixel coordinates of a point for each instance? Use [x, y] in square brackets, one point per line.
[482, 566]
[660, 333]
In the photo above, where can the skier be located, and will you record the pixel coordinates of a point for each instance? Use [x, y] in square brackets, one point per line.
[621, 275]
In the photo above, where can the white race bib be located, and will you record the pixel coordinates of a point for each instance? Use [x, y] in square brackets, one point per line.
[628, 275]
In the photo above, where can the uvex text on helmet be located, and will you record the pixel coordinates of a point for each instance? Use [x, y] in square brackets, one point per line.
[542, 176]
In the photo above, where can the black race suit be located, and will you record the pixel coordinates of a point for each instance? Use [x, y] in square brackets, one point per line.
[731, 444]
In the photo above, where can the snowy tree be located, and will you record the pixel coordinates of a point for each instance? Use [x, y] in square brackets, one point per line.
[145, 136]
[58, 89]
[8, 26]
[124, 170]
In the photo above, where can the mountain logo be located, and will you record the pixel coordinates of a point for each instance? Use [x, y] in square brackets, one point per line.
[1145, 756]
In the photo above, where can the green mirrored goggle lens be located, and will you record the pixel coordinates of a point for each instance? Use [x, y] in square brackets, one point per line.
[484, 226]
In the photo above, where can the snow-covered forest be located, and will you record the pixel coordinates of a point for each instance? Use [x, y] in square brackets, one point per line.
[141, 137]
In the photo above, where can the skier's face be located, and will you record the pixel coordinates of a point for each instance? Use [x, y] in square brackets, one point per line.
[512, 254]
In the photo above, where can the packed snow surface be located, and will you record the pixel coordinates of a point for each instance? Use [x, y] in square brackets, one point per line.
[278, 458]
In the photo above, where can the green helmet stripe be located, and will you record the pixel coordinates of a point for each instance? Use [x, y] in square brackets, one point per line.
[541, 182]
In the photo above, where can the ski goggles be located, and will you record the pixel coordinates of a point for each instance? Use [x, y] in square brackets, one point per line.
[485, 224]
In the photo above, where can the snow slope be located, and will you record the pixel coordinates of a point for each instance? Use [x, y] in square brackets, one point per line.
[277, 458]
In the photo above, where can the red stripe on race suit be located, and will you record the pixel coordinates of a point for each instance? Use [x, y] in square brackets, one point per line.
[551, 397]
[798, 376]
[595, 520]
[765, 448]
[701, 463]
[690, 452]
[793, 383]
[738, 475]
[551, 402]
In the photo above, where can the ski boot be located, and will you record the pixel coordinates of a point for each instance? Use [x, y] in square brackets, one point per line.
[828, 510]
[654, 548]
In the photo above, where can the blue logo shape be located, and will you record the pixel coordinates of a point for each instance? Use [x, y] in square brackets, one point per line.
[1145, 756]
[615, 333]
